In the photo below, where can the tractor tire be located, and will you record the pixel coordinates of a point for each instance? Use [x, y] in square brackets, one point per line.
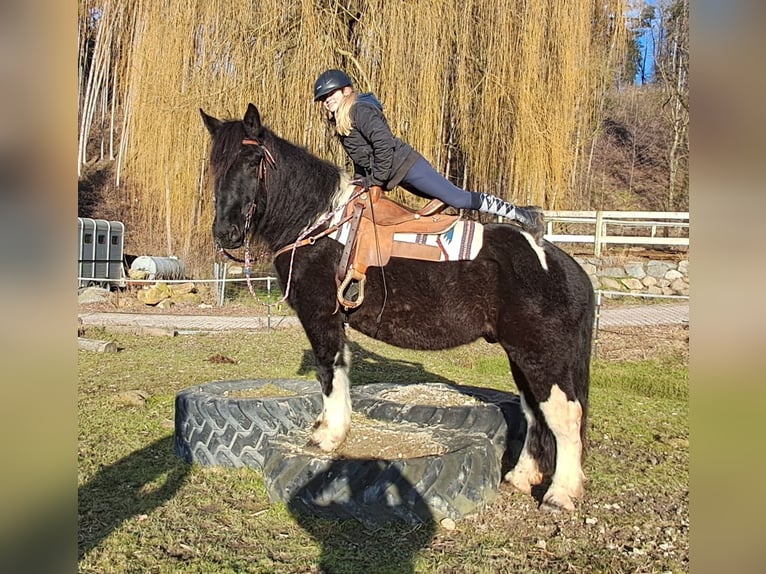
[215, 426]
[214, 429]
[376, 491]
[498, 416]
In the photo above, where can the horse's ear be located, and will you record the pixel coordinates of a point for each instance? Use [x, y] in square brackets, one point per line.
[252, 121]
[212, 124]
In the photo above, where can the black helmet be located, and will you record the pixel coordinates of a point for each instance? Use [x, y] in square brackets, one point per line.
[329, 81]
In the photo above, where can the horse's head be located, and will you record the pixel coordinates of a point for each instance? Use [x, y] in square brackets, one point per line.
[237, 159]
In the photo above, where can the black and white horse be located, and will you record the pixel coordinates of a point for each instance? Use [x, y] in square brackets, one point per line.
[536, 302]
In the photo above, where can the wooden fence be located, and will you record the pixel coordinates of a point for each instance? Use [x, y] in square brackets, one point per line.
[602, 228]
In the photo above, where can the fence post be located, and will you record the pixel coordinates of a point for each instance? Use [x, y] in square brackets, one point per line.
[596, 320]
[599, 233]
[219, 271]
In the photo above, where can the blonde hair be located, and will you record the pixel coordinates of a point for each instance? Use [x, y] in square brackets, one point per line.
[343, 114]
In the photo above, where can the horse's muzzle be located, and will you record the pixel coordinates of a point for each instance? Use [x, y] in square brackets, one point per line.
[228, 236]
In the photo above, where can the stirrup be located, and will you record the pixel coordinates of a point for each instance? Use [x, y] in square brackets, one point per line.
[359, 295]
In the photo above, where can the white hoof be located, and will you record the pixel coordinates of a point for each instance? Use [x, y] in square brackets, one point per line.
[557, 499]
[524, 476]
[327, 439]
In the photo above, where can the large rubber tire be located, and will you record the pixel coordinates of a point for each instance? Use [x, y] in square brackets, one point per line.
[269, 433]
[414, 490]
[213, 429]
[498, 416]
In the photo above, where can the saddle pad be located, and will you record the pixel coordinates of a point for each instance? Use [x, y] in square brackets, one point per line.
[462, 241]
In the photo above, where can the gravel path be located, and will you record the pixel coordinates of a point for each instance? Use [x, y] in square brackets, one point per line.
[623, 316]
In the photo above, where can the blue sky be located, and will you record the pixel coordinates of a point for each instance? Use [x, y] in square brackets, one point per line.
[645, 41]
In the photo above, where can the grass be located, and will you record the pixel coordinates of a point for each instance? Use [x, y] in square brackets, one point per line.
[141, 509]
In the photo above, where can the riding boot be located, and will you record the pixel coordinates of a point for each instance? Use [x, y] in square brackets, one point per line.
[530, 218]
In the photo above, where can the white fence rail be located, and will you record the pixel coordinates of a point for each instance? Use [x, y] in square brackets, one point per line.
[601, 228]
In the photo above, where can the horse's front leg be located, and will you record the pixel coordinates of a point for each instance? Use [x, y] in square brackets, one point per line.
[333, 364]
[313, 298]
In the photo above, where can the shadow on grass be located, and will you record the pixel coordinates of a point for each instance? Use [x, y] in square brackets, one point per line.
[134, 485]
[368, 367]
[376, 525]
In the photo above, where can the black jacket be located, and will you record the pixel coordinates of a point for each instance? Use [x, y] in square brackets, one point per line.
[379, 157]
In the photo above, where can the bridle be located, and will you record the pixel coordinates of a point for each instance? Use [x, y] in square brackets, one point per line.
[306, 237]
[267, 159]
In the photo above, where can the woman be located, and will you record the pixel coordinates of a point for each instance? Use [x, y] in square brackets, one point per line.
[386, 161]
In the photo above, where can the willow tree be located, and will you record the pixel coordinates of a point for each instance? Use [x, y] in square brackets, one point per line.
[503, 95]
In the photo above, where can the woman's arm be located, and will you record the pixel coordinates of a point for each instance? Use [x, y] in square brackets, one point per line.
[371, 124]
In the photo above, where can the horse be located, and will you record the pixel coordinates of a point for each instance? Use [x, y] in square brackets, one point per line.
[534, 300]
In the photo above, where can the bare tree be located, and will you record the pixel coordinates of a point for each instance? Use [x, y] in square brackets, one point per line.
[672, 68]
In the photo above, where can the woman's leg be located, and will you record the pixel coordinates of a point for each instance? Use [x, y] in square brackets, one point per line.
[424, 180]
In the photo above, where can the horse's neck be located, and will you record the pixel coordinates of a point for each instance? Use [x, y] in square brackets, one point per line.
[295, 201]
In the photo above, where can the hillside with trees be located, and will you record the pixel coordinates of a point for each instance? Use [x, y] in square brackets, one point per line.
[533, 101]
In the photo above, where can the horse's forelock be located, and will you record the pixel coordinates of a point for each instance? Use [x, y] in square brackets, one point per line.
[226, 147]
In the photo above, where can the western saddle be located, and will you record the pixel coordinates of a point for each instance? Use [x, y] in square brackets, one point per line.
[374, 221]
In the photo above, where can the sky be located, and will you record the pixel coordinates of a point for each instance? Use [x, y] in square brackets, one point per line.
[645, 40]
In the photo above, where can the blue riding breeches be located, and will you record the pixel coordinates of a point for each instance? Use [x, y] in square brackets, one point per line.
[425, 181]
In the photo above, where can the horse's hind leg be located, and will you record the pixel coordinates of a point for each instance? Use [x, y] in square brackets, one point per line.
[564, 415]
[526, 473]
[554, 420]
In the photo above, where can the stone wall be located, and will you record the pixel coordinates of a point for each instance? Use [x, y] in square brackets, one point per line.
[652, 277]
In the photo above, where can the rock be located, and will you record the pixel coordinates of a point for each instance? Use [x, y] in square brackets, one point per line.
[447, 524]
[683, 266]
[161, 293]
[679, 285]
[635, 270]
[182, 289]
[611, 284]
[138, 274]
[633, 284]
[657, 268]
[93, 295]
[135, 398]
[672, 275]
[649, 281]
[154, 294]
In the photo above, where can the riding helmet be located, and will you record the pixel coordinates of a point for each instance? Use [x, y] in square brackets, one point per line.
[329, 81]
